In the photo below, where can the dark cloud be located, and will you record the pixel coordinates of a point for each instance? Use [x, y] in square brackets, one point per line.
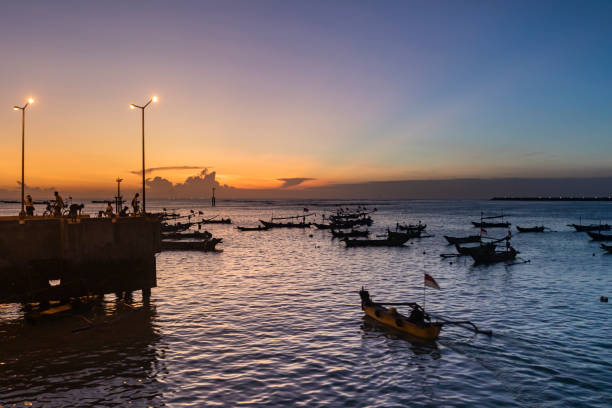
[292, 182]
[153, 169]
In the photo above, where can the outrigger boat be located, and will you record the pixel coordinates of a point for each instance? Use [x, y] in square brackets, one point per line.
[607, 247]
[411, 227]
[291, 224]
[176, 227]
[187, 235]
[257, 228]
[486, 256]
[213, 221]
[530, 229]
[467, 251]
[415, 233]
[486, 224]
[351, 233]
[591, 227]
[389, 242]
[596, 236]
[206, 245]
[463, 240]
[417, 324]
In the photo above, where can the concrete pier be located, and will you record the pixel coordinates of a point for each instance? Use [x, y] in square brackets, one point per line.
[43, 258]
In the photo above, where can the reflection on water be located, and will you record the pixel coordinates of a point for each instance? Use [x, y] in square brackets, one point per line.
[113, 362]
[275, 320]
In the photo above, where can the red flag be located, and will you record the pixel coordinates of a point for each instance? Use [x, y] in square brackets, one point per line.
[431, 282]
[483, 231]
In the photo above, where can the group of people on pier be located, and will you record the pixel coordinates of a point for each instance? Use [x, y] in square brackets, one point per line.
[56, 206]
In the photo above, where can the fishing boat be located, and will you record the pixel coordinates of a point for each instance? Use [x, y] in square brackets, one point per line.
[467, 251]
[389, 242]
[175, 227]
[417, 324]
[351, 233]
[187, 235]
[463, 240]
[206, 245]
[591, 227]
[607, 247]
[597, 236]
[411, 227]
[274, 224]
[530, 229]
[213, 221]
[486, 256]
[257, 228]
[414, 233]
[485, 224]
[323, 226]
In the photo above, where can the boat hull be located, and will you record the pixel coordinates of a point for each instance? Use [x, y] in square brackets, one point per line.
[463, 240]
[268, 224]
[491, 224]
[595, 236]
[592, 227]
[532, 229]
[399, 322]
[375, 242]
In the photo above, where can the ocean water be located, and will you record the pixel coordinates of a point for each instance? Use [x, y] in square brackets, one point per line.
[274, 320]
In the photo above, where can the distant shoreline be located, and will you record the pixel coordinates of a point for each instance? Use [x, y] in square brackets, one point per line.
[551, 199]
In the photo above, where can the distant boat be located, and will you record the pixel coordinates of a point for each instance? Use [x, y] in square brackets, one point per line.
[351, 233]
[486, 256]
[207, 245]
[484, 224]
[213, 221]
[390, 242]
[273, 223]
[607, 247]
[530, 229]
[414, 233]
[596, 236]
[591, 227]
[490, 247]
[463, 240]
[257, 228]
[411, 227]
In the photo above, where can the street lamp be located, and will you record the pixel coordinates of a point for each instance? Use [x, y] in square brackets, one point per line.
[23, 109]
[154, 99]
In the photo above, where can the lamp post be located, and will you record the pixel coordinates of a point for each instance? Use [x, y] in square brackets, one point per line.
[142, 109]
[23, 109]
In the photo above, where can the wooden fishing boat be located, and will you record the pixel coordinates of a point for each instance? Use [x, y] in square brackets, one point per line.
[213, 221]
[411, 227]
[463, 240]
[485, 224]
[485, 256]
[408, 234]
[323, 226]
[257, 228]
[270, 224]
[530, 229]
[597, 236]
[607, 247]
[418, 324]
[187, 235]
[351, 233]
[463, 250]
[591, 227]
[175, 227]
[389, 242]
[207, 245]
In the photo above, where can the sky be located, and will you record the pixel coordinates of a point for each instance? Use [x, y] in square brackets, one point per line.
[296, 94]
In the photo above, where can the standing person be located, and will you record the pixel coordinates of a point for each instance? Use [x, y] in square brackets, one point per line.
[109, 210]
[135, 203]
[29, 205]
[58, 205]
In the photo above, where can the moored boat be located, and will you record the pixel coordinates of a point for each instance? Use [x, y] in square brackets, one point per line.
[463, 240]
[485, 224]
[257, 228]
[591, 227]
[530, 229]
[417, 324]
[488, 247]
[486, 256]
[389, 242]
[415, 233]
[411, 227]
[187, 235]
[351, 233]
[207, 245]
[213, 221]
[270, 224]
[607, 247]
[597, 236]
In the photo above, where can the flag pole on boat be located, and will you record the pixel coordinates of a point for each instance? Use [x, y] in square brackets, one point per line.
[428, 280]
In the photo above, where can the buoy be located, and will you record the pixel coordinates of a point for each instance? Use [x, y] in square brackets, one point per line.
[310, 236]
[604, 299]
[424, 252]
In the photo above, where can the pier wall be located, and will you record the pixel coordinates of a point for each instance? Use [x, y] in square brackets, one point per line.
[79, 256]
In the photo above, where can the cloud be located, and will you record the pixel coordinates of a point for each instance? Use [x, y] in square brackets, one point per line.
[292, 182]
[153, 169]
[198, 186]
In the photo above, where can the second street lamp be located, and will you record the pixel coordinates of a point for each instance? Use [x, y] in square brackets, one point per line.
[142, 109]
[23, 109]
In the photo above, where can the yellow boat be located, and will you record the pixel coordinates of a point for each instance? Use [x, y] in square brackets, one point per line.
[414, 325]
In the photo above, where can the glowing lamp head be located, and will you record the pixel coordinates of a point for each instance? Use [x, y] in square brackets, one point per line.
[15, 107]
[132, 106]
[155, 99]
[31, 100]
